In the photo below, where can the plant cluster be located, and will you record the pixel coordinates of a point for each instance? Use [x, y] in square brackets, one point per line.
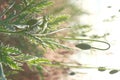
[24, 27]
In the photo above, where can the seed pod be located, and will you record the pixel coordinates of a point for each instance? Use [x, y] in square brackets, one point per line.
[101, 69]
[113, 71]
[72, 73]
[83, 46]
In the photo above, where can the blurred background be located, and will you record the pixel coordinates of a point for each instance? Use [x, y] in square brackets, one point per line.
[104, 16]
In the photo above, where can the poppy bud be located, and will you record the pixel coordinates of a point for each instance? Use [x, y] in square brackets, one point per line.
[83, 46]
[113, 71]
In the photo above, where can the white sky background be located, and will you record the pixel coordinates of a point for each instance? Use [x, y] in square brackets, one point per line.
[99, 12]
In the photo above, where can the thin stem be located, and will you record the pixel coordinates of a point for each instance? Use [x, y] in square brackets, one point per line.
[21, 31]
[89, 40]
[40, 35]
[64, 65]
[8, 32]
[90, 67]
[2, 75]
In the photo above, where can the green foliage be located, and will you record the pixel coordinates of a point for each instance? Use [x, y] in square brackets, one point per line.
[57, 19]
[7, 56]
[37, 6]
[36, 60]
[23, 25]
[28, 25]
[25, 12]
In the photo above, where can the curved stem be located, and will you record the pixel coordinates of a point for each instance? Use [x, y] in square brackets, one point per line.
[90, 40]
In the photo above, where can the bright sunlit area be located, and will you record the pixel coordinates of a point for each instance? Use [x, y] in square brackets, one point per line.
[104, 16]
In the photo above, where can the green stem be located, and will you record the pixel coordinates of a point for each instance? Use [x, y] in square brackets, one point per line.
[16, 32]
[40, 35]
[2, 75]
[90, 40]
[64, 65]
[90, 67]
[51, 33]
[8, 32]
